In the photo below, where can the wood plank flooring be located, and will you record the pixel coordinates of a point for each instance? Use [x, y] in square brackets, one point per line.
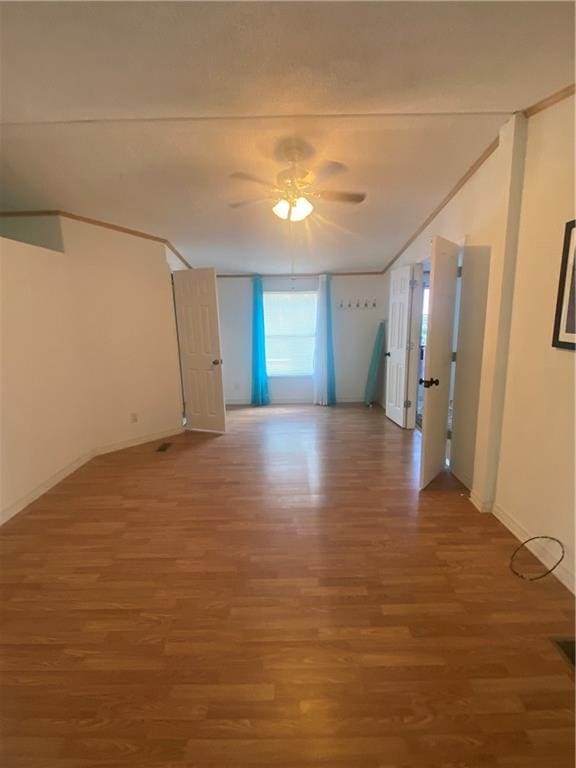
[278, 596]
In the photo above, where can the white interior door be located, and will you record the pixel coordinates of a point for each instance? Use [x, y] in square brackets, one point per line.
[414, 334]
[438, 357]
[196, 302]
[472, 317]
[398, 343]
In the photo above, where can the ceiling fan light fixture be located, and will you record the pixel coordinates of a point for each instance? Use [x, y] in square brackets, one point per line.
[282, 209]
[300, 210]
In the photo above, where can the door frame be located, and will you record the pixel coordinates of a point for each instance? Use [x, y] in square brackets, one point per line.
[414, 332]
[398, 343]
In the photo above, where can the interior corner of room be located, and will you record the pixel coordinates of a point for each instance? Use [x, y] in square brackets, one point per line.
[287, 380]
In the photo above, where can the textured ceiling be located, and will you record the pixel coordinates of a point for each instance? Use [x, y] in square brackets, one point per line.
[136, 113]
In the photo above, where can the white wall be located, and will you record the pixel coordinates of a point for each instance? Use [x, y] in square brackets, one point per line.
[235, 310]
[535, 489]
[515, 207]
[354, 333]
[88, 338]
[478, 216]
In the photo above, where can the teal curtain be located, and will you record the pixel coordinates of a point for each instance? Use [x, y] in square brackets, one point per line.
[260, 394]
[324, 376]
[375, 362]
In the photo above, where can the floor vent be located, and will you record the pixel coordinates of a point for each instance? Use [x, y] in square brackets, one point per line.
[163, 447]
[567, 648]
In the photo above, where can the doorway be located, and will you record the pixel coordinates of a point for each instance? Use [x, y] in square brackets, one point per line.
[423, 339]
[441, 345]
[422, 342]
[421, 353]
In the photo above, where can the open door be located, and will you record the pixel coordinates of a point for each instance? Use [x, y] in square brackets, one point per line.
[438, 358]
[415, 332]
[471, 324]
[398, 343]
[404, 321]
[196, 303]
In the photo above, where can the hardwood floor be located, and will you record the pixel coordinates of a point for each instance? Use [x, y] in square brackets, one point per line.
[277, 596]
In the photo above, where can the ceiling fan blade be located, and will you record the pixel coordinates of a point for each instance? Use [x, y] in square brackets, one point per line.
[328, 169]
[243, 203]
[241, 176]
[341, 197]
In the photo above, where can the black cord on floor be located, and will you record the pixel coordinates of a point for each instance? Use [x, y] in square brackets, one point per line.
[540, 576]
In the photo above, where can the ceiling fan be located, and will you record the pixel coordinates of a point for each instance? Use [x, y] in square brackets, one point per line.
[295, 191]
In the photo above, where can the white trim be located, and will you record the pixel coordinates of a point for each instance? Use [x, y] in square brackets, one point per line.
[206, 431]
[35, 493]
[111, 447]
[415, 307]
[17, 506]
[291, 375]
[539, 549]
[480, 504]
[282, 401]
[341, 401]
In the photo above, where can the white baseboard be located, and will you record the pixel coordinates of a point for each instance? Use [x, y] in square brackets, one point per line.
[564, 572]
[299, 401]
[307, 401]
[480, 504]
[111, 447]
[17, 506]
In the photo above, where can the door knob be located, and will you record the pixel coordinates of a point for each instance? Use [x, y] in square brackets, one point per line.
[386, 354]
[216, 362]
[429, 382]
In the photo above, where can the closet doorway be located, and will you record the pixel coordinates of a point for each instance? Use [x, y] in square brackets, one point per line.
[435, 344]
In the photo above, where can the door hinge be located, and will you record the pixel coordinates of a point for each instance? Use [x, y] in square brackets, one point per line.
[407, 403]
[459, 272]
[454, 357]
[413, 283]
[449, 434]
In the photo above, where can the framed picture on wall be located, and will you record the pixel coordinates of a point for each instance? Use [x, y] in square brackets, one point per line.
[565, 320]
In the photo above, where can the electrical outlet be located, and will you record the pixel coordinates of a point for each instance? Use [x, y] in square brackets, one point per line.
[133, 418]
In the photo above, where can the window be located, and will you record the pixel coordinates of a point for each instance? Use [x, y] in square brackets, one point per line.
[290, 323]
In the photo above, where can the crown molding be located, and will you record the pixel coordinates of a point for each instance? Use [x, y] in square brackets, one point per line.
[529, 112]
[490, 149]
[534, 109]
[550, 101]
